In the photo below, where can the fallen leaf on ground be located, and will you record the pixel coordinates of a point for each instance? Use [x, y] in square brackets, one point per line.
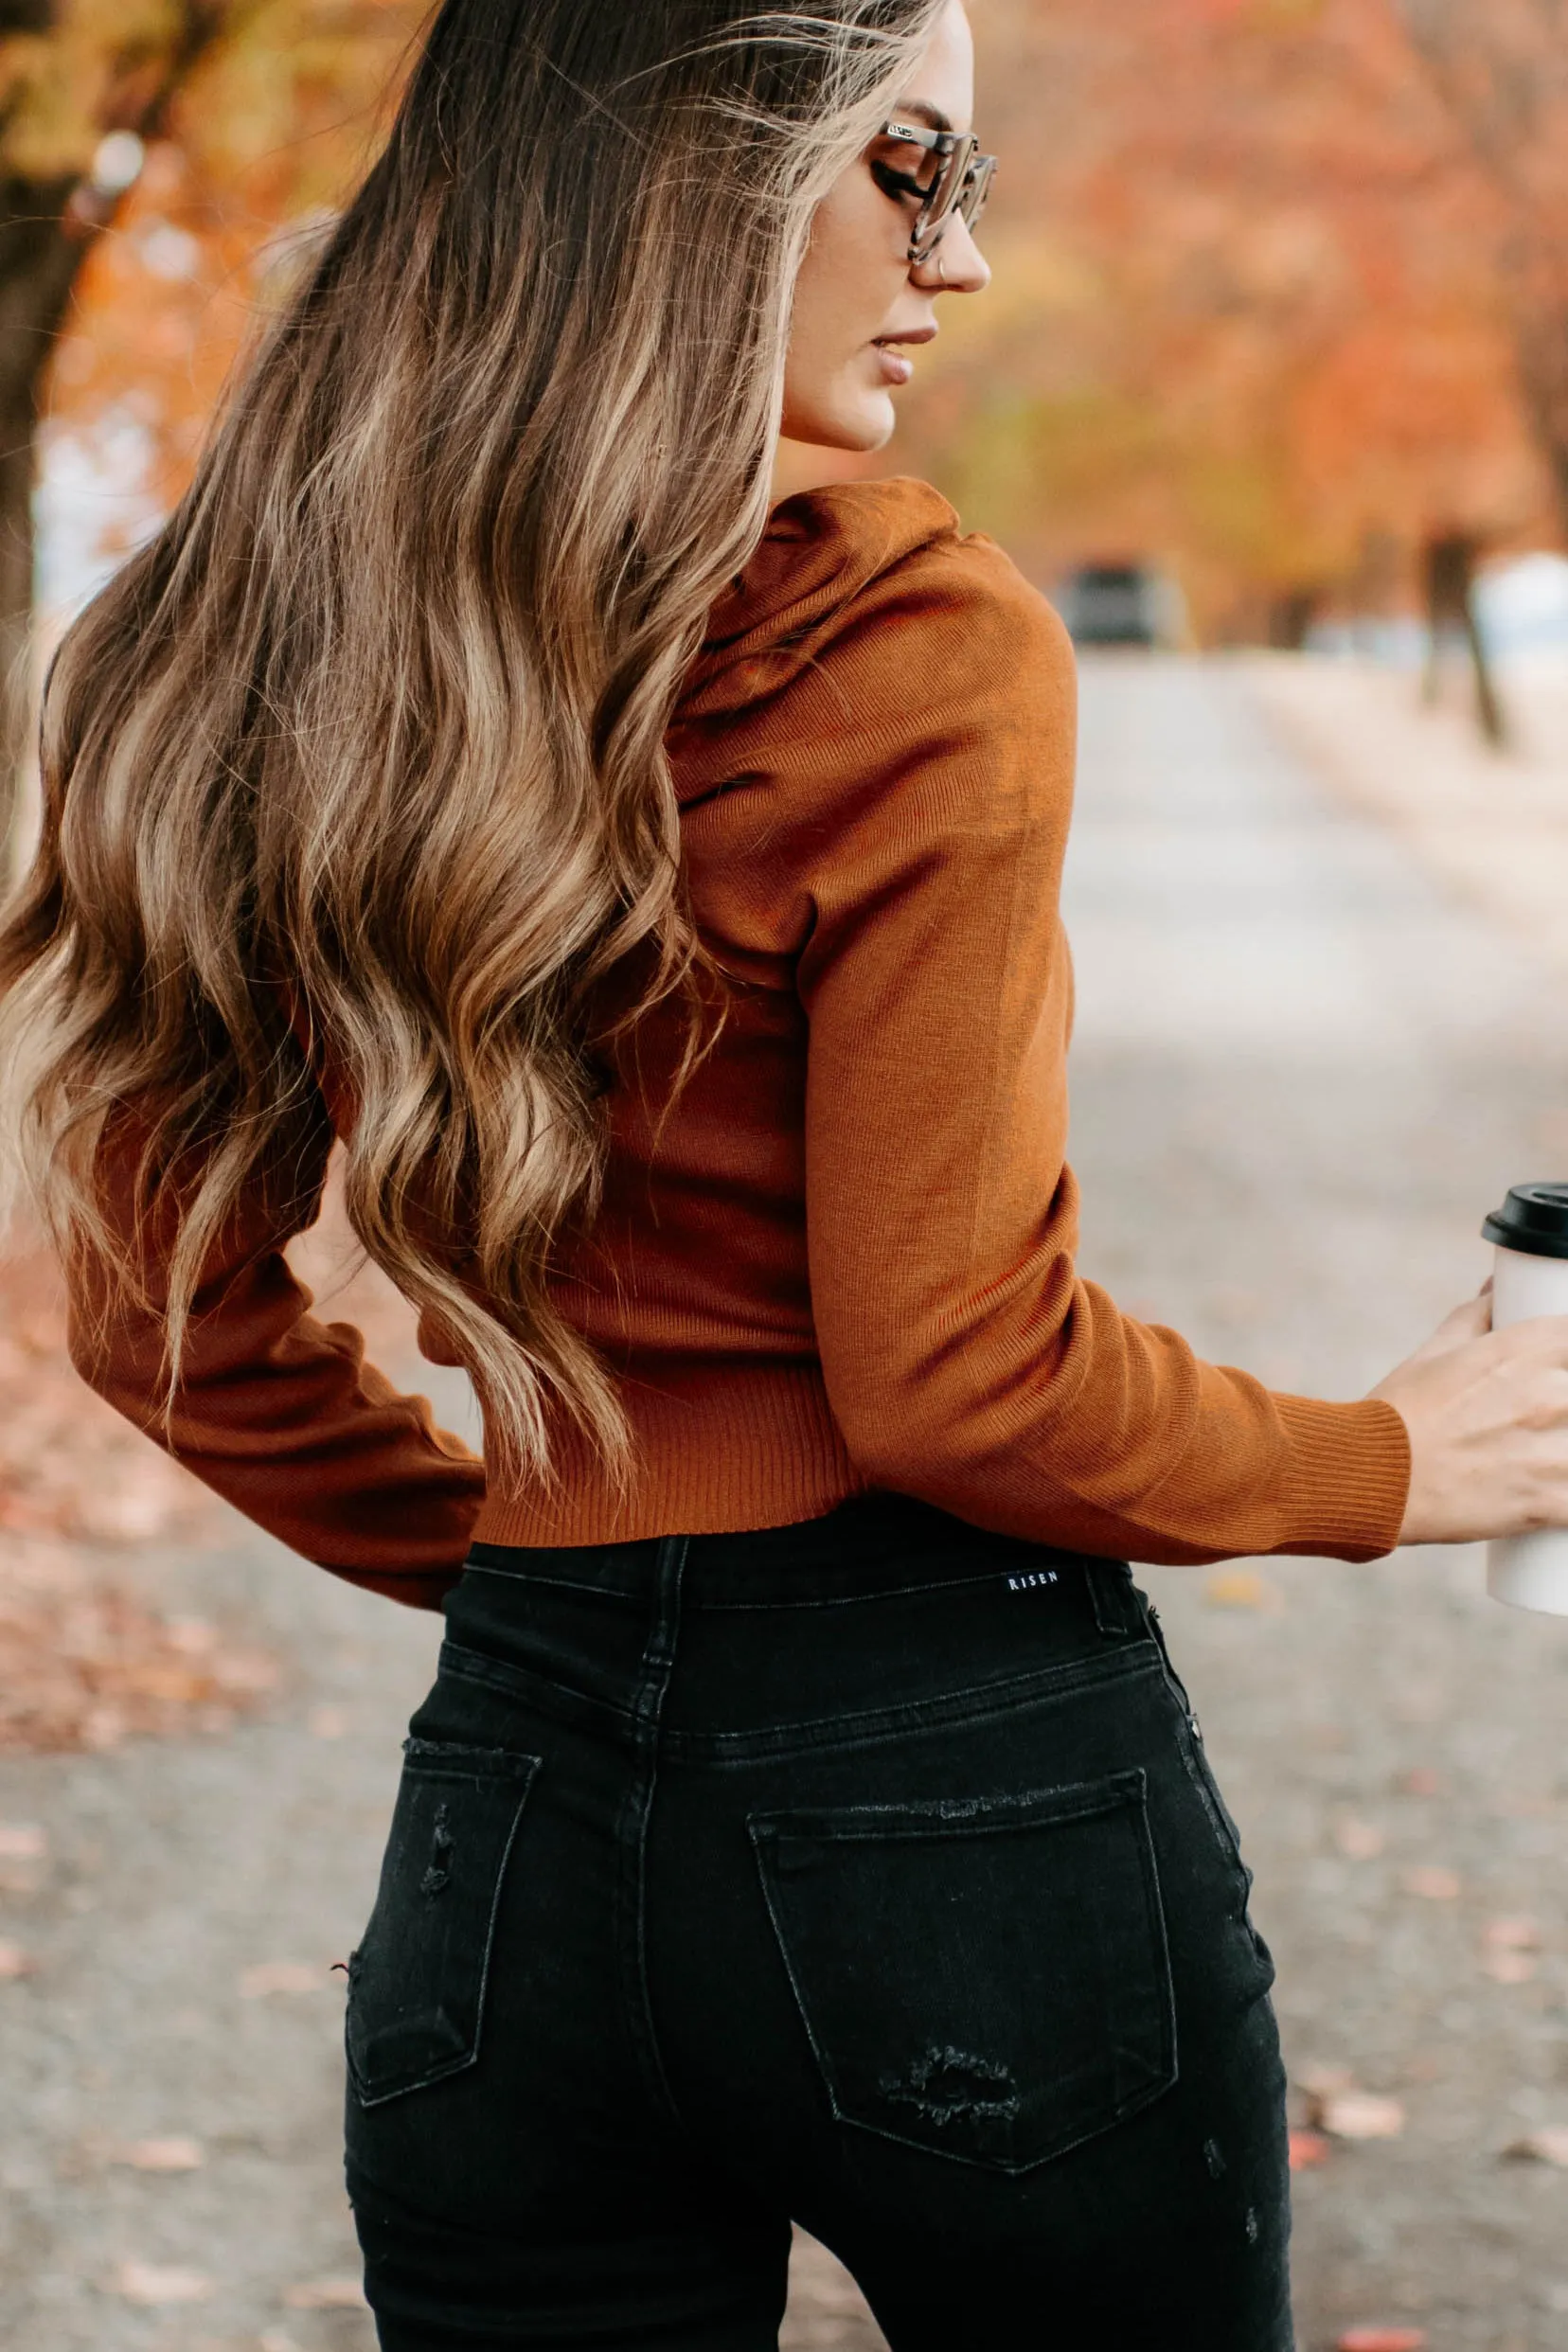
[170, 2155]
[243, 1673]
[1318, 2082]
[83, 1664]
[1421, 1781]
[1362, 1840]
[154, 1678]
[328, 1722]
[1307, 2149]
[1353, 2115]
[155, 2283]
[14, 1962]
[21, 1841]
[1515, 1935]
[195, 1638]
[326, 2294]
[1431, 1881]
[135, 1512]
[1382, 2340]
[279, 1976]
[1242, 1587]
[1549, 2146]
[1510, 1942]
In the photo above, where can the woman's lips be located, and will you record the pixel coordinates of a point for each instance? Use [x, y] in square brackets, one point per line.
[894, 367]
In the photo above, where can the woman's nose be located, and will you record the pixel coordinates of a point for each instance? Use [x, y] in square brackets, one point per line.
[955, 263]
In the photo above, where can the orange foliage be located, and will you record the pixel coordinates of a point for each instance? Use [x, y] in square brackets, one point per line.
[1501, 71]
[267, 136]
[1251, 309]
[1248, 310]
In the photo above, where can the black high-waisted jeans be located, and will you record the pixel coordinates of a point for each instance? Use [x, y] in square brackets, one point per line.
[867, 1871]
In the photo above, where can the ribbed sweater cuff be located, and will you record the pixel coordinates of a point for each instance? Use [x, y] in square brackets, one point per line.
[1349, 1478]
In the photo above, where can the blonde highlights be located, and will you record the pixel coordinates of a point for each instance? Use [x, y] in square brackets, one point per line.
[362, 758]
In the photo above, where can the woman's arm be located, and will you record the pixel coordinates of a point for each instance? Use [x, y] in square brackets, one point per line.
[278, 1412]
[965, 1359]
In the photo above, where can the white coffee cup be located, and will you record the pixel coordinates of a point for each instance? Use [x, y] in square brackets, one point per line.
[1530, 1278]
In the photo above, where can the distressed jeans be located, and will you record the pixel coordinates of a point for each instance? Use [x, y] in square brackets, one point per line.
[867, 1873]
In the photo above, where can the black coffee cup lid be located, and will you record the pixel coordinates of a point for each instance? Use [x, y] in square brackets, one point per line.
[1533, 1220]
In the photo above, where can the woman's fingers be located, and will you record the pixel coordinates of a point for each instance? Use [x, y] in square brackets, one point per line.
[1487, 1416]
[1472, 1320]
[1463, 1324]
[1542, 1340]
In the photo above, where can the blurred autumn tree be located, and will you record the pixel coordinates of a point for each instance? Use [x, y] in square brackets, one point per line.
[1248, 310]
[193, 130]
[1281, 290]
[1502, 69]
[69, 83]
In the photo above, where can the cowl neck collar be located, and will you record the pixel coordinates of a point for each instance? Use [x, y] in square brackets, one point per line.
[820, 549]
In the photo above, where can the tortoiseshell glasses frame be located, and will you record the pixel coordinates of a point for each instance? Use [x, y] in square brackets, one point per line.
[960, 181]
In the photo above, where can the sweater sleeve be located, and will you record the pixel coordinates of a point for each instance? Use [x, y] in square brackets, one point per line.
[966, 1361]
[276, 1412]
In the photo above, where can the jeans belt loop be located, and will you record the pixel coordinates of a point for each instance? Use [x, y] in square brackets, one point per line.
[1111, 1596]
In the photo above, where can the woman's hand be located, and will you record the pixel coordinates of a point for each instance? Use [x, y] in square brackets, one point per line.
[1487, 1416]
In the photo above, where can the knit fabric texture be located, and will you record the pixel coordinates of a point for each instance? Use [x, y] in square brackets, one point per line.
[846, 1258]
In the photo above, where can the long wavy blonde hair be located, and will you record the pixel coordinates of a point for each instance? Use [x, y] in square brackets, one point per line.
[363, 756]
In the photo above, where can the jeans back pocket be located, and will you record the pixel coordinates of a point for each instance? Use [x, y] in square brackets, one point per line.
[417, 1982]
[986, 1979]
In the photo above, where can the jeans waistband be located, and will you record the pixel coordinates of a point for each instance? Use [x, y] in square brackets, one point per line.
[875, 1546]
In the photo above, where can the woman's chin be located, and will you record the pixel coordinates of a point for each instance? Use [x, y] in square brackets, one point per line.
[860, 423]
[869, 422]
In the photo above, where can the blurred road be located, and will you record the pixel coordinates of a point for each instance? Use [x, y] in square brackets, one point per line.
[1301, 1075]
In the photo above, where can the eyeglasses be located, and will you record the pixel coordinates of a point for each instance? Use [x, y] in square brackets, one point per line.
[955, 179]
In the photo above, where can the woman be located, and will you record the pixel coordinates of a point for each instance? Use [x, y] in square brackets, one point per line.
[650, 878]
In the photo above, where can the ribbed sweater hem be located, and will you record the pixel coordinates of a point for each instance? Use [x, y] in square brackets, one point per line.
[760, 1449]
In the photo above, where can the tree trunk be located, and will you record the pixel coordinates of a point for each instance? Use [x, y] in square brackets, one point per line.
[38, 260]
[1450, 605]
[1541, 338]
[1292, 613]
[1503, 73]
[46, 229]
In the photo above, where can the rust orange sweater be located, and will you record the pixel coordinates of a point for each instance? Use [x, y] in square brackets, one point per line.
[848, 1258]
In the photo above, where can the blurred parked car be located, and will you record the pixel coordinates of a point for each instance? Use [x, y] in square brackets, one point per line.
[1123, 603]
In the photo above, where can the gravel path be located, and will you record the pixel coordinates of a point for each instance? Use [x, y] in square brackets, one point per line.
[1302, 1073]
